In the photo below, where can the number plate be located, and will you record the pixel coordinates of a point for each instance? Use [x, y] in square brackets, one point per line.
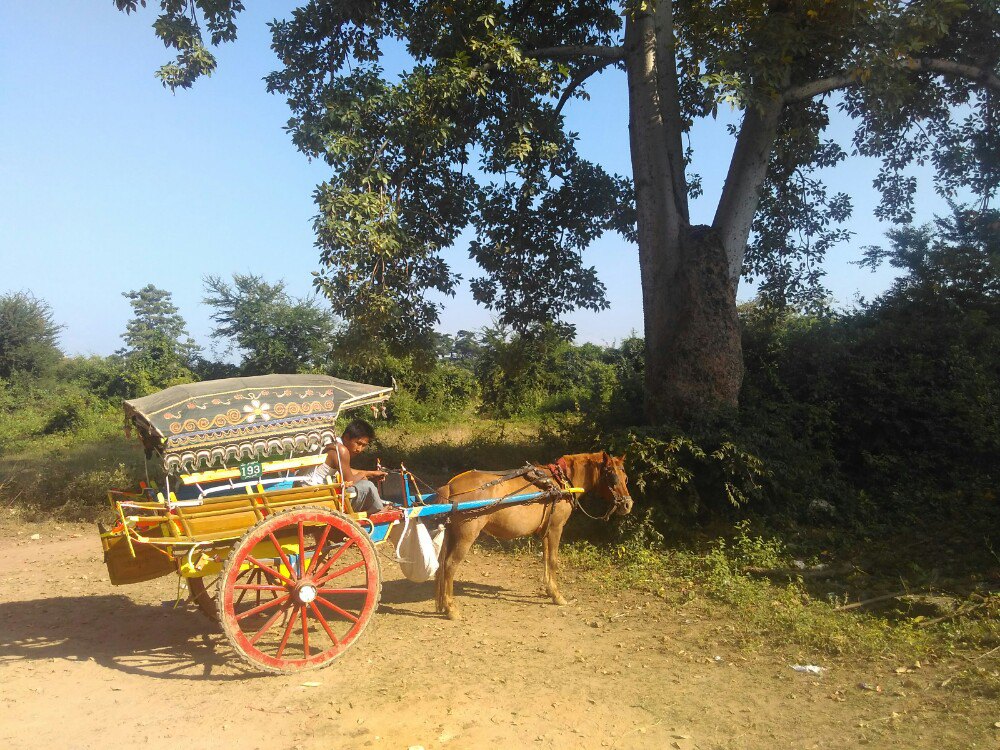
[250, 470]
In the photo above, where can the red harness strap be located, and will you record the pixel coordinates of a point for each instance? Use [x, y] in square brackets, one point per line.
[560, 472]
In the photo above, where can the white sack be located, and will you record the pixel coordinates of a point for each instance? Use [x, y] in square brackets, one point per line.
[417, 553]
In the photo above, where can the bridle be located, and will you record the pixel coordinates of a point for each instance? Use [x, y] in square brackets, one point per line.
[607, 475]
[610, 478]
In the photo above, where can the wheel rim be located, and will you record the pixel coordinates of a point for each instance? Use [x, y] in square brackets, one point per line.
[299, 589]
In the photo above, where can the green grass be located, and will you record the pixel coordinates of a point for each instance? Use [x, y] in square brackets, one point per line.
[761, 612]
[67, 479]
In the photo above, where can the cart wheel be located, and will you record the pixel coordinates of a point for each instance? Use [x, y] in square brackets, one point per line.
[298, 589]
[204, 596]
[204, 591]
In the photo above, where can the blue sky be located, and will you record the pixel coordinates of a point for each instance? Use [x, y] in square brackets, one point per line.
[110, 182]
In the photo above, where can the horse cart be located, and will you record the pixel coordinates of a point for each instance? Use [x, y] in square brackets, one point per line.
[287, 568]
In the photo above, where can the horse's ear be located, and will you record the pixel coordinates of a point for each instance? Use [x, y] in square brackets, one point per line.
[622, 458]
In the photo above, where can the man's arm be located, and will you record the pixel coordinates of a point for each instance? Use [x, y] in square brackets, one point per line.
[354, 475]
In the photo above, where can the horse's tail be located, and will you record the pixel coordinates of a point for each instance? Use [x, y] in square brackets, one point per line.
[439, 584]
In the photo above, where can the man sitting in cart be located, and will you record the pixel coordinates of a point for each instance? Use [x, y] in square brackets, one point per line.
[353, 442]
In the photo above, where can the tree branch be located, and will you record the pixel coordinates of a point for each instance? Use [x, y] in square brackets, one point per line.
[963, 70]
[981, 76]
[582, 50]
[577, 80]
[668, 92]
[806, 91]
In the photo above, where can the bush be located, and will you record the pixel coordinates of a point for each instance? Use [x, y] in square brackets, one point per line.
[70, 415]
[689, 479]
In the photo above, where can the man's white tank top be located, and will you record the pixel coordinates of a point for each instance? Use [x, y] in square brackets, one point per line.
[320, 473]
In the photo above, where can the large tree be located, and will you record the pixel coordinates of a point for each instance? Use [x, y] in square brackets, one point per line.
[471, 132]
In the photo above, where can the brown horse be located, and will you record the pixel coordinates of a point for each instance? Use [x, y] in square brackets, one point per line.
[598, 472]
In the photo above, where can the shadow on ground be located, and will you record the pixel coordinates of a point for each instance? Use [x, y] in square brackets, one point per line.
[116, 632]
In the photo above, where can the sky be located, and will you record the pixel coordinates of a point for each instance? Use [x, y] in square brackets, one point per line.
[109, 182]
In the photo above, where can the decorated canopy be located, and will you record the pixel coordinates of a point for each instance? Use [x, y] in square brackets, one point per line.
[242, 419]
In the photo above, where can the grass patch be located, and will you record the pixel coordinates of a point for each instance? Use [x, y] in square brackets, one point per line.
[67, 477]
[762, 612]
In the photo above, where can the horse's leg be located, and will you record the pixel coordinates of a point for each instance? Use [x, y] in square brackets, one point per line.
[441, 593]
[550, 545]
[458, 540]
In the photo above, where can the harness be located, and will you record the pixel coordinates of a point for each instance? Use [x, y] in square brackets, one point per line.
[553, 479]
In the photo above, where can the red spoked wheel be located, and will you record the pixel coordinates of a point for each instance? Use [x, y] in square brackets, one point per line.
[298, 589]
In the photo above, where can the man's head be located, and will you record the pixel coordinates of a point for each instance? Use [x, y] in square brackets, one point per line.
[357, 435]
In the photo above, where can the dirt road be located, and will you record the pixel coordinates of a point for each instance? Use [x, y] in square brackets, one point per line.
[86, 665]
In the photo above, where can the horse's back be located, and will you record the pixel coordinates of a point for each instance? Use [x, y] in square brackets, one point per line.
[503, 522]
[470, 485]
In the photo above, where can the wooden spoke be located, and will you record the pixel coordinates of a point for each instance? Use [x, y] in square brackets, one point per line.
[324, 623]
[340, 572]
[305, 627]
[338, 610]
[271, 571]
[302, 552]
[339, 553]
[283, 556]
[284, 638]
[318, 550]
[262, 607]
[267, 625]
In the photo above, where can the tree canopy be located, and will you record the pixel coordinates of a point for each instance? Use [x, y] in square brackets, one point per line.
[471, 134]
[272, 331]
[158, 350]
[28, 335]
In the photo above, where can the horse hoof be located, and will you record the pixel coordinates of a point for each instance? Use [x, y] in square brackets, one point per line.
[453, 614]
[559, 599]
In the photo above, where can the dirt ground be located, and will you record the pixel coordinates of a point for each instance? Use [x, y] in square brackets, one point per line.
[84, 664]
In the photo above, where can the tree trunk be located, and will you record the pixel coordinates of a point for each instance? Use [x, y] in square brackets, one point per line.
[694, 361]
[694, 357]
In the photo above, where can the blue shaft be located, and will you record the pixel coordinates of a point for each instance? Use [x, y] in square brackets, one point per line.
[436, 509]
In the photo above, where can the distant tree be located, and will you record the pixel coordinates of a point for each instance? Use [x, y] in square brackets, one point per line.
[955, 260]
[466, 347]
[156, 324]
[271, 330]
[158, 350]
[28, 335]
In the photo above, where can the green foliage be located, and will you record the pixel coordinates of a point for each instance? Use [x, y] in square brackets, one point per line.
[271, 330]
[690, 478]
[178, 29]
[28, 336]
[541, 371]
[428, 390]
[470, 134]
[516, 371]
[158, 351]
[156, 326]
[70, 415]
[892, 409]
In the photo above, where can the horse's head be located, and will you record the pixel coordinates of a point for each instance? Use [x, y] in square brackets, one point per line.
[612, 485]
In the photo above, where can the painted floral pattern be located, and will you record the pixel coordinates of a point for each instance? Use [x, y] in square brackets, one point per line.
[256, 410]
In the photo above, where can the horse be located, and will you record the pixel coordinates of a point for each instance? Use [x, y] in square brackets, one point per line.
[598, 472]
